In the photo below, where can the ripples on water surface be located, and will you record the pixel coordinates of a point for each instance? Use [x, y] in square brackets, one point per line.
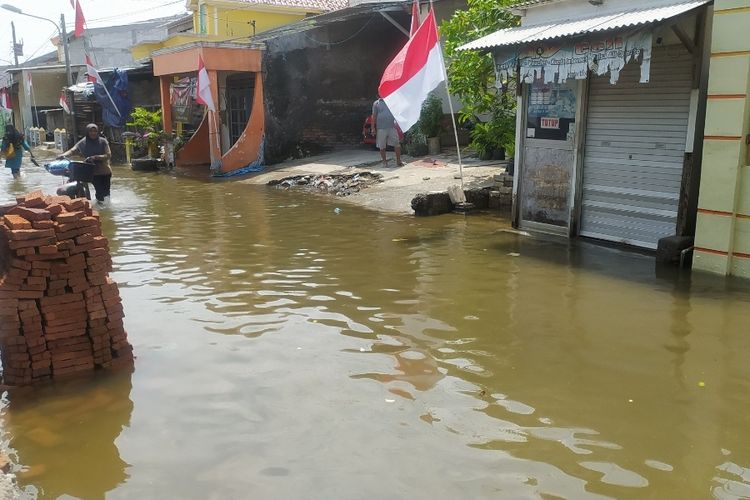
[286, 351]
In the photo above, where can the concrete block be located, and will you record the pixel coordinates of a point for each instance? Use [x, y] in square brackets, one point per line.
[431, 204]
[710, 262]
[730, 32]
[725, 117]
[728, 75]
[480, 198]
[668, 249]
[720, 162]
[713, 231]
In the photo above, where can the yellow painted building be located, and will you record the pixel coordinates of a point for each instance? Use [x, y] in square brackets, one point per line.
[722, 239]
[236, 20]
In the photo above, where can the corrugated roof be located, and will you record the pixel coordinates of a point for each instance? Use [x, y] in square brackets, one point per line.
[317, 5]
[531, 3]
[569, 27]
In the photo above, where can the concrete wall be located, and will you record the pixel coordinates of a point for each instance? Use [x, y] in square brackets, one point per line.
[722, 237]
[110, 48]
[320, 84]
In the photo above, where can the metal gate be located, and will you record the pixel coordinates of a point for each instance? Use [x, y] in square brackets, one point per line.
[635, 149]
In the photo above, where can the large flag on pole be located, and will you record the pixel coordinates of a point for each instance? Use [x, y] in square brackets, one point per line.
[414, 18]
[412, 74]
[204, 87]
[80, 20]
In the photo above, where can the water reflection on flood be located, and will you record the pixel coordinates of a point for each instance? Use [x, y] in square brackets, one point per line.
[289, 351]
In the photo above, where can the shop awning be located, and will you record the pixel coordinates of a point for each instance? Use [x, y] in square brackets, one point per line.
[571, 27]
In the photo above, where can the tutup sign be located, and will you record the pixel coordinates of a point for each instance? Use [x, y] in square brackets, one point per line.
[557, 62]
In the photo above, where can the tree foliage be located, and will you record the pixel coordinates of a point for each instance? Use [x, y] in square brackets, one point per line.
[471, 73]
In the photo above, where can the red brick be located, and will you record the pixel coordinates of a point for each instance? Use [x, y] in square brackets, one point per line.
[44, 224]
[20, 264]
[32, 214]
[16, 222]
[67, 217]
[30, 234]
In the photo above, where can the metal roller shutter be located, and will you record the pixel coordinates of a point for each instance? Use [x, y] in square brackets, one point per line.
[634, 153]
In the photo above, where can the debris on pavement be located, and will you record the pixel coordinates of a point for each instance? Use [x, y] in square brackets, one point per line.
[336, 184]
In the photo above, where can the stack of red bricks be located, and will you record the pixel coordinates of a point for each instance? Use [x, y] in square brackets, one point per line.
[60, 313]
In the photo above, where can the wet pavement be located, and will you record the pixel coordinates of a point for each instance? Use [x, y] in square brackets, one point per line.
[286, 349]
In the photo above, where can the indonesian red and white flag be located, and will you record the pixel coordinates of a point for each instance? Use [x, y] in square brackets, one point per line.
[64, 102]
[413, 74]
[414, 18]
[80, 20]
[204, 87]
[92, 75]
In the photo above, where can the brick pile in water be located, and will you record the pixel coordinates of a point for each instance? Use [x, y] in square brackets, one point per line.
[60, 313]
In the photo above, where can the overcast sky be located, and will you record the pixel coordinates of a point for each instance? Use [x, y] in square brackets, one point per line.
[36, 33]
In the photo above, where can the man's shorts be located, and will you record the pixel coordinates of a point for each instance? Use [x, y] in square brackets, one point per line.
[386, 136]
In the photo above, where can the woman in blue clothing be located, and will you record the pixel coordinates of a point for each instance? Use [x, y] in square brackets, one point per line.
[16, 139]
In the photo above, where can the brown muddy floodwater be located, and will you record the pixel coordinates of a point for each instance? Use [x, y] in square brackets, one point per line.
[288, 351]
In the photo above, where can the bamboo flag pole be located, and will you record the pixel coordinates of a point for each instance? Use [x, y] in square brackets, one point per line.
[450, 105]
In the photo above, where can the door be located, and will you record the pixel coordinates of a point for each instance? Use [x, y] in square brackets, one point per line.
[548, 157]
[240, 90]
[635, 150]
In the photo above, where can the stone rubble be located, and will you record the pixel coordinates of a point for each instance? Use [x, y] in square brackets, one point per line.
[60, 312]
[336, 184]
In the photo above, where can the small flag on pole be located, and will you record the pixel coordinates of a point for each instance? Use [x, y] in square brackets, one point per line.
[64, 102]
[414, 18]
[415, 71]
[92, 75]
[204, 95]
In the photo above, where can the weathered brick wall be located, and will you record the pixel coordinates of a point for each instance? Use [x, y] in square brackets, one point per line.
[320, 84]
[60, 313]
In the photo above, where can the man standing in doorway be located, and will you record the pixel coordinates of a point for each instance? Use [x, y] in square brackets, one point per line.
[386, 134]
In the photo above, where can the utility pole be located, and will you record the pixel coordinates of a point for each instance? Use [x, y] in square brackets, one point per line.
[64, 35]
[15, 51]
[71, 130]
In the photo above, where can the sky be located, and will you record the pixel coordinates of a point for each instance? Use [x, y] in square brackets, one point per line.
[98, 13]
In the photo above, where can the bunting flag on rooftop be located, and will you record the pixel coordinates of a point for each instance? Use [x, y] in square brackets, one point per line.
[415, 71]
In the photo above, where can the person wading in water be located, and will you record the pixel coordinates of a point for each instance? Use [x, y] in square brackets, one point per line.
[95, 149]
[13, 145]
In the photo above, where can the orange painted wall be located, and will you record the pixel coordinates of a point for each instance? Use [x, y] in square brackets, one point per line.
[248, 147]
[196, 151]
[215, 58]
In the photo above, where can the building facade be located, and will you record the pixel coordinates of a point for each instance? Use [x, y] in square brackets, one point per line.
[611, 104]
[722, 238]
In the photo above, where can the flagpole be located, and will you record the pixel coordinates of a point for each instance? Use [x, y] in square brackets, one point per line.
[450, 105]
[33, 103]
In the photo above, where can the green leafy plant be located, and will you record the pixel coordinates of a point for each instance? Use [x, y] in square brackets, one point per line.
[431, 118]
[148, 127]
[471, 74]
[487, 138]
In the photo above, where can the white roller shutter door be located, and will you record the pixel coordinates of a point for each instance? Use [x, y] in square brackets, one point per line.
[634, 152]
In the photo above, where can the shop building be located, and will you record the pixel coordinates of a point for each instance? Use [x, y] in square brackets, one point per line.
[611, 106]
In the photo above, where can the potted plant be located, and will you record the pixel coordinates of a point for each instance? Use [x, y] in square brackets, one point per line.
[494, 139]
[148, 128]
[431, 122]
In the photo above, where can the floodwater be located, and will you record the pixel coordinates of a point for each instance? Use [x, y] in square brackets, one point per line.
[285, 350]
